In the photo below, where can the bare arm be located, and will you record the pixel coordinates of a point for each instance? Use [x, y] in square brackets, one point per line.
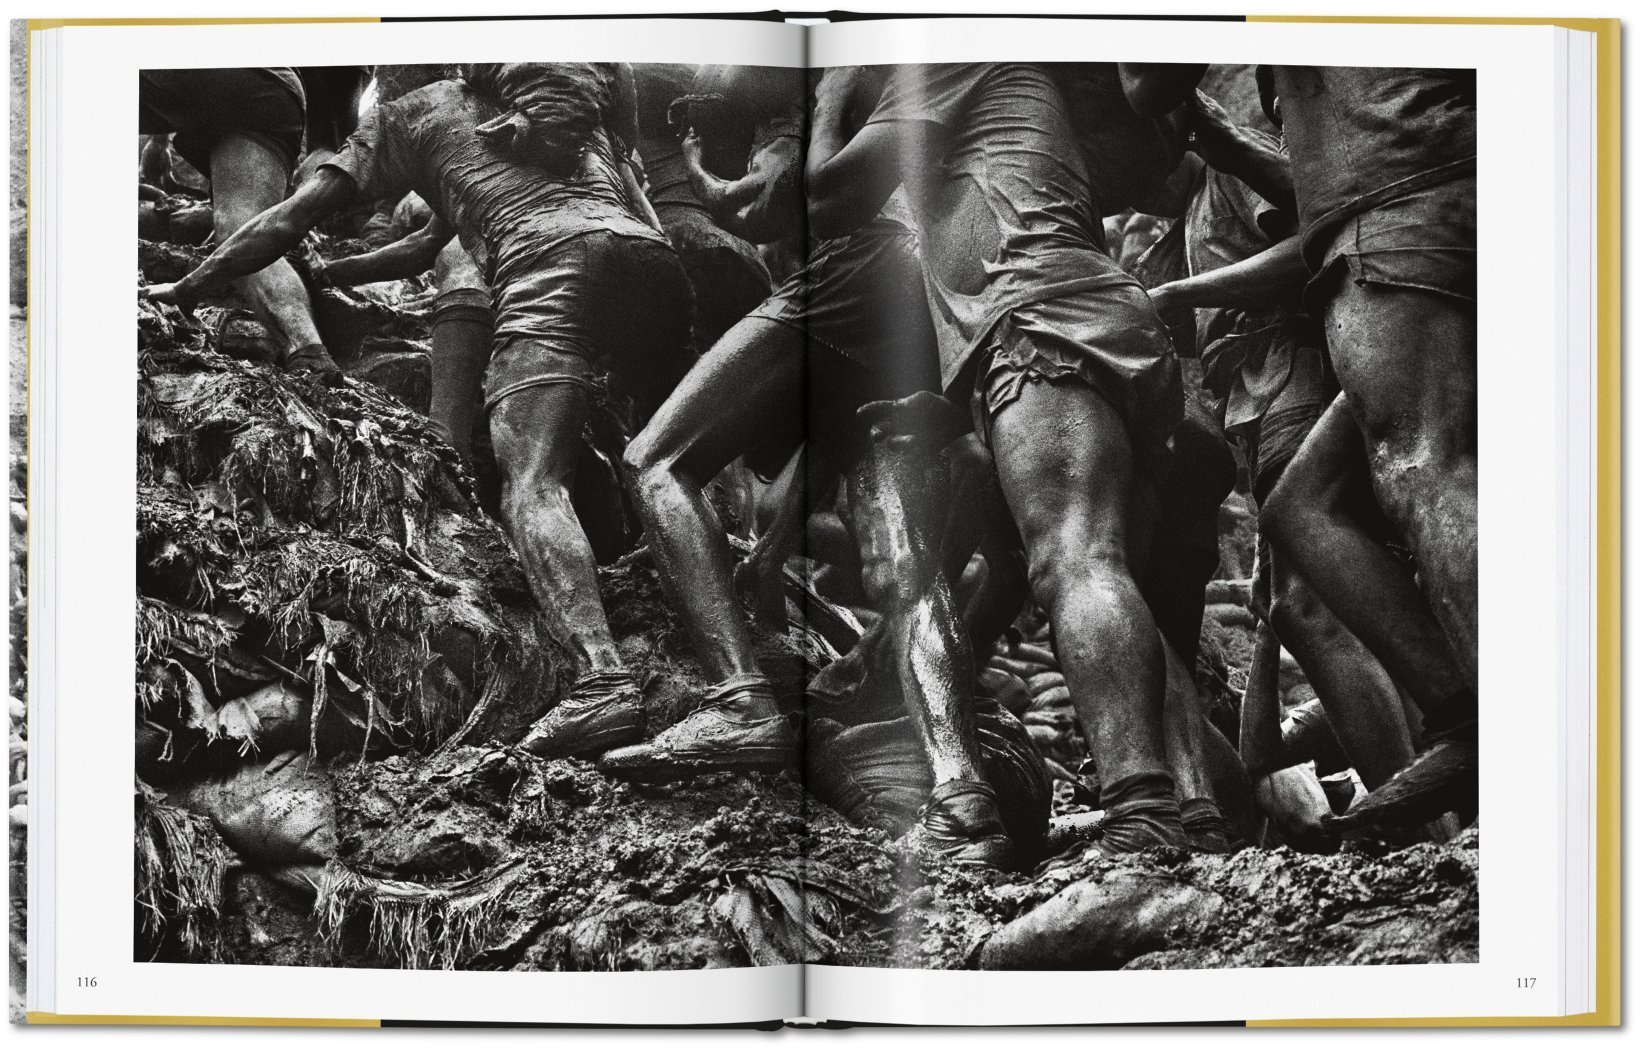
[413, 254]
[1155, 88]
[1273, 276]
[264, 240]
[634, 192]
[764, 205]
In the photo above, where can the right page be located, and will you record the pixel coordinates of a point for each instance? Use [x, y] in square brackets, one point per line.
[1197, 496]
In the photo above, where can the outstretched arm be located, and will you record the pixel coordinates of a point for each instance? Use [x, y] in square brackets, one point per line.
[764, 205]
[412, 254]
[264, 240]
[1155, 88]
[1275, 275]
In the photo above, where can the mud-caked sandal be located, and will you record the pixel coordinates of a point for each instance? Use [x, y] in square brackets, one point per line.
[739, 728]
[962, 823]
[604, 710]
[315, 360]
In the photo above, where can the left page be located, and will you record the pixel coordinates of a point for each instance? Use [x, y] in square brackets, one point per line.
[405, 295]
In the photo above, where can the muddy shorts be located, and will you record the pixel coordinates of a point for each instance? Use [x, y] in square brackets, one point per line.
[728, 277]
[1424, 240]
[1298, 386]
[598, 303]
[201, 106]
[1108, 339]
[860, 303]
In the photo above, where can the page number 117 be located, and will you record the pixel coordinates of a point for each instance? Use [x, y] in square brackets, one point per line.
[1525, 983]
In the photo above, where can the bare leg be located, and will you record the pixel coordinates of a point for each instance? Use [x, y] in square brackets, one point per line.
[1406, 361]
[1357, 694]
[246, 179]
[893, 498]
[738, 393]
[755, 373]
[537, 437]
[1066, 467]
[1313, 518]
[463, 328]
[1181, 721]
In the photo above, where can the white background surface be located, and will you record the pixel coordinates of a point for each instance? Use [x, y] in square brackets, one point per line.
[318, 1039]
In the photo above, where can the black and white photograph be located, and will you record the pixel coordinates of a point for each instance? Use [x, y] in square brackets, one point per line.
[605, 516]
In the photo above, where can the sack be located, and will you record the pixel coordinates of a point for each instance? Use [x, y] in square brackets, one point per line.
[877, 773]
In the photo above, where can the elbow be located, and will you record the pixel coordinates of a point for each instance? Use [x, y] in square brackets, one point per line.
[830, 216]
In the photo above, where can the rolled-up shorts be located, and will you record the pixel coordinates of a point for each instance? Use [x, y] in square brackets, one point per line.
[1108, 339]
[725, 271]
[1423, 240]
[598, 304]
[1270, 441]
[201, 106]
[861, 304]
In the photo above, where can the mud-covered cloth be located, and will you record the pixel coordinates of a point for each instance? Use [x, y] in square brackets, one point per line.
[203, 105]
[1109, 339]
[1424, 240]
[1360, 137]
[1011, 253]
[727, 274]
[397, 81]
[1225, 223]
[659, 84]
[745, 108]
[1128, 157]
[508, 214]
[597, 303]
[877, 773]
[556, 103]
[859, 301]
[1268, 364]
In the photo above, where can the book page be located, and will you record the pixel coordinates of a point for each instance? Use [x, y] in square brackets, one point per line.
[1070, 280]
[356, 599]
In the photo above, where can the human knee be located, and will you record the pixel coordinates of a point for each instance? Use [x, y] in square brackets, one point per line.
[1058, 567]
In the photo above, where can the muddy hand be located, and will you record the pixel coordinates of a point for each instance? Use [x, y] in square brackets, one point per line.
[172, 293]
[924, 422]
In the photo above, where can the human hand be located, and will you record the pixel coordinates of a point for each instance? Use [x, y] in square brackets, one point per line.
[174, 293]
[922, 422]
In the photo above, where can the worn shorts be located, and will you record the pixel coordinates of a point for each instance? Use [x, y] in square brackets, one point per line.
[600, 303]
[1424, 240]
[861, 297]
[1107, 338]
[201, 106]
[860, 303]
[1298, 386]
[725, 272]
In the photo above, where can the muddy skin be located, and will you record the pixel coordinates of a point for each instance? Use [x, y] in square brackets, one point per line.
[895, 500]
[1320, 519]
[246, 180]
[537, 437]
[462, 330]
[1406, 359]
[698, 431]
[1065, 464]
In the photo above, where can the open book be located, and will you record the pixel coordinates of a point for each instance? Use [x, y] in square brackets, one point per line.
[863, 521]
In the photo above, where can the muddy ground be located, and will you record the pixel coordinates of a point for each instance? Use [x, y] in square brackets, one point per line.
[336, 650]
